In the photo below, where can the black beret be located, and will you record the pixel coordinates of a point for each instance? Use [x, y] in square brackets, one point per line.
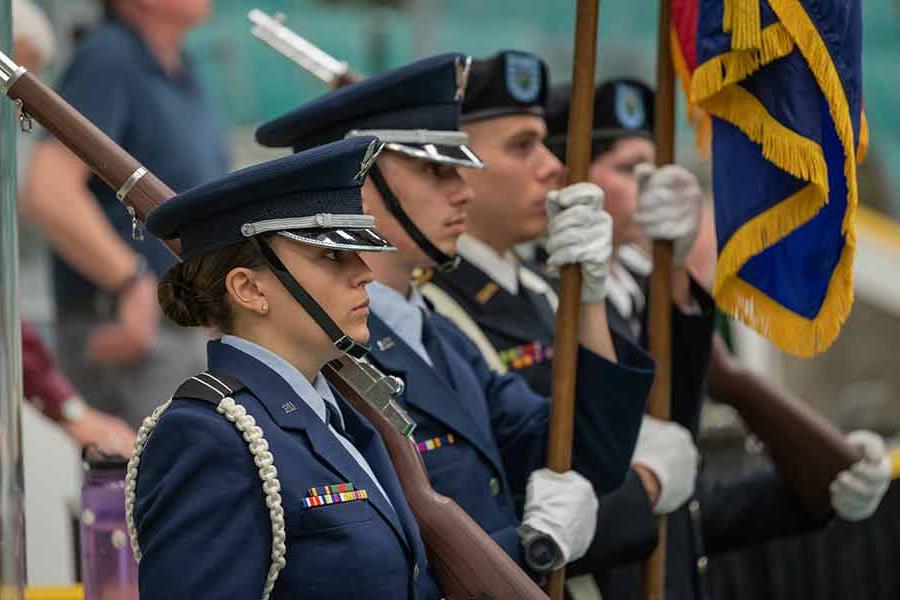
[508, 83]
[622, 108]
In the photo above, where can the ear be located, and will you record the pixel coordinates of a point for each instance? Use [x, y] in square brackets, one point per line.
[246, 290]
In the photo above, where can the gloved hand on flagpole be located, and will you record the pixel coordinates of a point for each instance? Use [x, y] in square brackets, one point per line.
[857, 491]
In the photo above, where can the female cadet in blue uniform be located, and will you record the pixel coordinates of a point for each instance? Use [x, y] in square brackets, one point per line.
[483, 437]
[257, 480]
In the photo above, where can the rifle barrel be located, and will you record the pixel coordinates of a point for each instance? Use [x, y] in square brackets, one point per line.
[296, 48]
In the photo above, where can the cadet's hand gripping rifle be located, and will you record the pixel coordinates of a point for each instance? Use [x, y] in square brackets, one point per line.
[469, 564]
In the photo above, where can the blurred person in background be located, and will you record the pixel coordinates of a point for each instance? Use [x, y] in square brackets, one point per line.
[44, 385]
[33, 41]
[34, 46]
[132, 78]
[52, 393]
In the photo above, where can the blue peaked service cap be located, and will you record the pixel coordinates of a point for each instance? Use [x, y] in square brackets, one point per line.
[313, 197]
[414, 110]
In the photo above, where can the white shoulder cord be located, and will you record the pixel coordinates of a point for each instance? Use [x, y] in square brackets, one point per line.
[259, 449]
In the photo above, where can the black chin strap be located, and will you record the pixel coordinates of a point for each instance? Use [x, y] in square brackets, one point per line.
[443, 261]
[341, 340]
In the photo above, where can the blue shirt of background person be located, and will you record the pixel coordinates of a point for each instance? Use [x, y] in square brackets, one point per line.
[166, 121]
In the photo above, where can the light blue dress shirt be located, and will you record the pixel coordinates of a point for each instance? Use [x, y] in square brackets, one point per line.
[403, 315]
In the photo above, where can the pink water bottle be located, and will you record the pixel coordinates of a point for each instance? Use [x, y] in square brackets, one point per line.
[108, 568]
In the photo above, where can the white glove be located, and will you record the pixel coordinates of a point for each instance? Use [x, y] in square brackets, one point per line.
[563, 506]
[668, 450]
[857, 491]
[669, 206]
[580, 232]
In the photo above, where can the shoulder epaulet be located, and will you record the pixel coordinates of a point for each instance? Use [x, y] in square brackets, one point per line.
[209, 386]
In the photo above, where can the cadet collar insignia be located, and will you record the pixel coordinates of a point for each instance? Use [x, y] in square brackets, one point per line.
[385, 343]
[288, 407]
[523, 77]
[435, 443]
[333, 494]
[372, 153]
[462, 76]
[422, 275]
[526, 355]
[629, 103]
[487, 292]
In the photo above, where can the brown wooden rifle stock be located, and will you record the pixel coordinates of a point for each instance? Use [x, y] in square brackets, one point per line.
[806, 448]
[467, 562]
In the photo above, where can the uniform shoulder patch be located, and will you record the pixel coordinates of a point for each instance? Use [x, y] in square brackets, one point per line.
[629, 106]
[523, 77]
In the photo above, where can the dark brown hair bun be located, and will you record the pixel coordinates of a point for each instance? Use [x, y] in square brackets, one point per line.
[193, 293]
[178, 299]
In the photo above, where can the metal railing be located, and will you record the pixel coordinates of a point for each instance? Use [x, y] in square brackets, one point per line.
[12, 516]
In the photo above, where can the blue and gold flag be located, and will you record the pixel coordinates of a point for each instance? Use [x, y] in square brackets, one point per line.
[783, 82]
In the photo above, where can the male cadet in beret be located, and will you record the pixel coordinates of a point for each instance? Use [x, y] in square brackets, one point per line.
[665, 203]
[508, 309]
[482, 435]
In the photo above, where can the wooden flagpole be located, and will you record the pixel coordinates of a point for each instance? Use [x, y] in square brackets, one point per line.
[661, 281]
[565, 345]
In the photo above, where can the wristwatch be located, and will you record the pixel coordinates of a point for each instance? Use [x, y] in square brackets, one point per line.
[542, 553]
[141, 269]
[73, 409]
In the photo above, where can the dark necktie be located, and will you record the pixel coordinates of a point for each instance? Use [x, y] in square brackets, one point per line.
[334, 419]
[433, 347]
[541, 306]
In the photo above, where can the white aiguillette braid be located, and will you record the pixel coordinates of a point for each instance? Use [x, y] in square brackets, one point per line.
[131, 474]
[262, 457]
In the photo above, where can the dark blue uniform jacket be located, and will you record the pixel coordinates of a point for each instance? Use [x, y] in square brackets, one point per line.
[488, 432]
[723, 515]
[202, 521]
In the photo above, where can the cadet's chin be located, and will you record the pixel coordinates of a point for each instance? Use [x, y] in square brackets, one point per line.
[448, 244]
[537, 224]
[359, 331]
[530, 230]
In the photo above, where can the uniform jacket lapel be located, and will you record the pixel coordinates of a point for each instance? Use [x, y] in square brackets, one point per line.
[427, 392]
[289, 411]
[493, 307]
[369, 443]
